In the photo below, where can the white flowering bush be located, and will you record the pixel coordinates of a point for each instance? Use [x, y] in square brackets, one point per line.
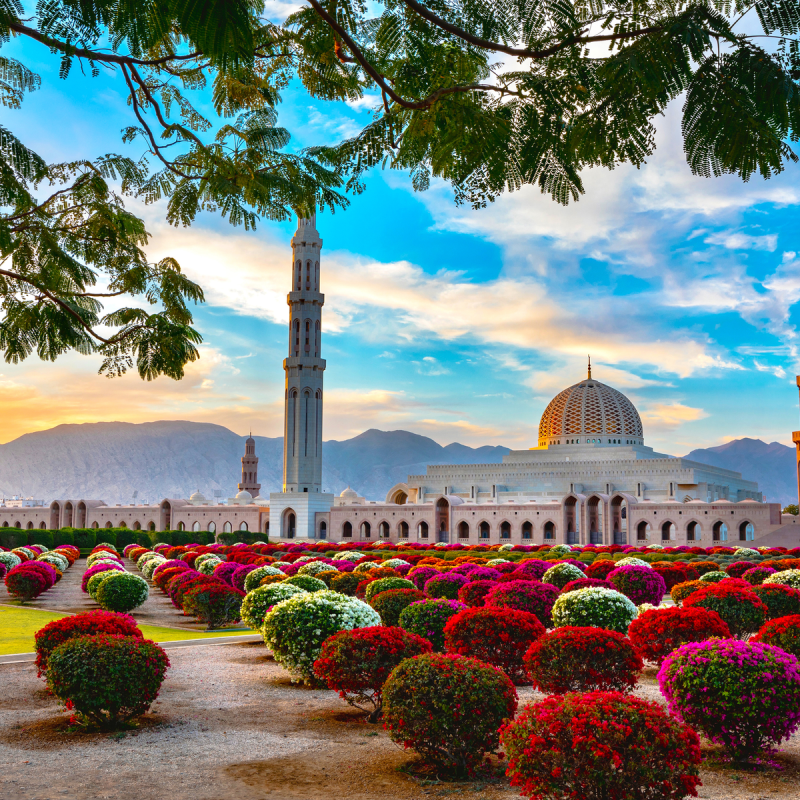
[594, 607]
[394, 563]
[315, 567]
[296, 628]
[101, 555]
[254, 578]
[145, 557]
[655, 547]
[56, 559]
[440, 544]
[714, 577]
[560, 549]
[10, 560]
[31, 554]
[366, 566]
[350, 555]
[506, 547]
[559, 575]
[493, 562]
[261, 599]
[789, 577]
[207, 557]
[150, 566]
[746, 552]
[106, 544]
[208, 566]
[305, 559]
[630, 561]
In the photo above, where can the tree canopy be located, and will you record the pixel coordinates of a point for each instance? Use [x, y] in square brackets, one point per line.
[489, 95]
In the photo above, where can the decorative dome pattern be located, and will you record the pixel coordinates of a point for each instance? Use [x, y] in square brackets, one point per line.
[590, 409]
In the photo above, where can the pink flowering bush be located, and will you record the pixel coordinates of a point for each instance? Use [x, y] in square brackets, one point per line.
[639, 584]
[743, 695]
[445, 585]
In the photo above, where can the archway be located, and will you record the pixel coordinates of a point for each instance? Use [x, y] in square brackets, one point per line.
[365, 531]
[442, 521]
[383, 530]
[166, 515]
[29, 526]
[403, 527]
[55, 515]
[747, 531]
[81, 520]
[593, 520]
[571, 519]
[527, 530]
[549, 531]
[226, 528]
[243, 526]
[618, 520]
[289, 524]
[195, 526]
[181, 526]
[152, 526]
[667, 531]
[67, 519]
[719, 532]
[693, 532]
[42, 526]
[505, 530]
[347, 531]
[422, 530]
[323, 530]
[641, 531]
[212, 527]
[483, 529]
[463, 530]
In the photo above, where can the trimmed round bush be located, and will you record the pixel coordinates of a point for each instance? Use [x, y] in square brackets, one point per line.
[315, 567]
[533, 568]
[783, 632]
[25, 584]
[427, 618]
[601, 745]
[740, 609]
[632, 561]
[10, 560]
[384, 584]
[586, 583]
[215, 604]
[475, 592]
[345, 583]
[713, 577]
[780, 600]
[601, 569]
[121, 591]
[419, 576]
[497, 636]
[445, 586]
[598, 608]
[89, 624]
[390, 604]
[639, 584]
[659, 631]
[673, 574]
[582, 659]
[107, 679]
[448, 708]
[680, 591]
[788, 577]
[208, 566]
[535, 598]
[559, 575]
[295, 629]
[755, 576]
[93, 584]
[742, 695]
[260, 600]
[253, 578]
[306, 582]
[356, 663]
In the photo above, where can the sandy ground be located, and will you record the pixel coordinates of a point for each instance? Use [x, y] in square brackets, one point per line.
[229, 724]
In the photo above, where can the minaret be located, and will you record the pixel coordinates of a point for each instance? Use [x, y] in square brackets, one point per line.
[302, 433]
[250, 468]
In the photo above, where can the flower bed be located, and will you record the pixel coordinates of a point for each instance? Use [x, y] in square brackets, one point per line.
[427, 618]
[535, 598]
[599, 608]
[741, 609]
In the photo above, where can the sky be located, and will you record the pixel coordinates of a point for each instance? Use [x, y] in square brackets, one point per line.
[455, 323]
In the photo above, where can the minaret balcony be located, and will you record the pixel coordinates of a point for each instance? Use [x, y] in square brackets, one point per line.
[306, 296]
[305, 362]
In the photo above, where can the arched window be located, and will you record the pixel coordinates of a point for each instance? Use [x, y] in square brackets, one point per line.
[95, 525]
[323, 530]
[151, 526]
[299, 275]
[667, 531]
[484, 530]
[137, 526]
[693, 532]
[422, 530]
[527, 530]
[347, 531]
[383, 530]
[641, 531]
[212, 527]
[43, 527]
[463, 530]
[226, 528]
[404, 530]
[549, 531]
[29, 526]
[243, 526]
[505, 530]
[720, 532]
[181, 526]
[195, 526]
[365, 531]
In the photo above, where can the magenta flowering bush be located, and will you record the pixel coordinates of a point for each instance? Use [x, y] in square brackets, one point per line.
[445, 585]
[240, 573]
[225, 571]
[755, 575]
[95, 570]
[484, 574]
[535, 598]
[533, 567]
[639, 584]
[427, 619]
[743, 695]
[420, 575]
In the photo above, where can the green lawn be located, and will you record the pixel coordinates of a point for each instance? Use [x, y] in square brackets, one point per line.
[18, 625]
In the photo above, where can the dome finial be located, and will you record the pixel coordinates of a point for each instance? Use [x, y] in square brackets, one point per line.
[590, 368]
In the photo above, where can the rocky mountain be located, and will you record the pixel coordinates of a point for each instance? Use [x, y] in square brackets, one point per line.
[112, 460]
[771, 465]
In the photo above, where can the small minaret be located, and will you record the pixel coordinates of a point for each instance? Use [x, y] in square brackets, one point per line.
[796, 440]
[249, 481]
[302, 435]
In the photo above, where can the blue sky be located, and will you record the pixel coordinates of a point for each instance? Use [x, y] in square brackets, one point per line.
[454, 323]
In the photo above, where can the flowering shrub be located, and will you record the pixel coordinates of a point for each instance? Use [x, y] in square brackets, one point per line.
[713, 577]
[743, 695]
[345, 583]
[295, 629]
[680, 591]
[390, 603]
[182, 584]
[475, 592]
[269, 580]
[780, 600]
[419, 575]
[107, 679]
[150, 566]
[535, 598]
[121, 591]
[216, 604]
[11, 560]
[783, 632]
[672, 574]
[315, 567]
[240, 575]
[788, 577]
[756, 575]
[90, 623]
[586, 583]
[639, 584]
[533, 567]
[483, 574]
[601, 569]
[356, 663]
[427, 618]
[632, 561]
[656, 633]
[307, 582]
[253, 578]
[445, 586]
[448, 708]
[740, 609]
[25, 583]
[738, 568]
[497, 636]
[598, 608]
[384, 584]
[560, 575]
[257, 603]
[601, 745]
[207, 567]
[582, 659]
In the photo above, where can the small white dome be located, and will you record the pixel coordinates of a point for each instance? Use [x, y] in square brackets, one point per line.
[348, 492]
[244, 495]
[196, 497]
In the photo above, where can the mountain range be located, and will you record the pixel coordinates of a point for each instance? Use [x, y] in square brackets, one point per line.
[112, 460]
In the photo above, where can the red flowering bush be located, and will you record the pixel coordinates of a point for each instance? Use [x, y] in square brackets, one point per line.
[672, 574]
[659, 631]
[448, 708]
[741, 610]
[184, 585]
[390, 604]
[601, 569]
[216, 604]
[574, 659]
[88, 624]
[601, 746]
[498, 636]
[638, 584]
[702, 567]
[535, 598]
[738, 568]
[107, 679]
[587, 583]
[783, 632]
[780, 600]
[755, 575]
[25, 583]
[356, 663]
[474, 593]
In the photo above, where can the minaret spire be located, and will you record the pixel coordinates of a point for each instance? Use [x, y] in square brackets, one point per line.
[590, 368]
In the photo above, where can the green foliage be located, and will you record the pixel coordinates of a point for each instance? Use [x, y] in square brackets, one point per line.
[63, 536]
[121, 591]
[13, 537]
[85, 538]
[39, 536]
[226, 538]
[792, 508]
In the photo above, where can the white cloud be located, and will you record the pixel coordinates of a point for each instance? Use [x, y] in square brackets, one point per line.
[736, 240]
[668, 416]
[430, 366]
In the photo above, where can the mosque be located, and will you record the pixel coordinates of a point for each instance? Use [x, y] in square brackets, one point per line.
[589, 480]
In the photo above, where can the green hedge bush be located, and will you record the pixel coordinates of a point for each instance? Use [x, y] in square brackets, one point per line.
[13, 537]
[39, 536]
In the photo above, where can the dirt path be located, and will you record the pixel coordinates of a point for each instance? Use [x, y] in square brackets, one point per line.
[230, 726]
